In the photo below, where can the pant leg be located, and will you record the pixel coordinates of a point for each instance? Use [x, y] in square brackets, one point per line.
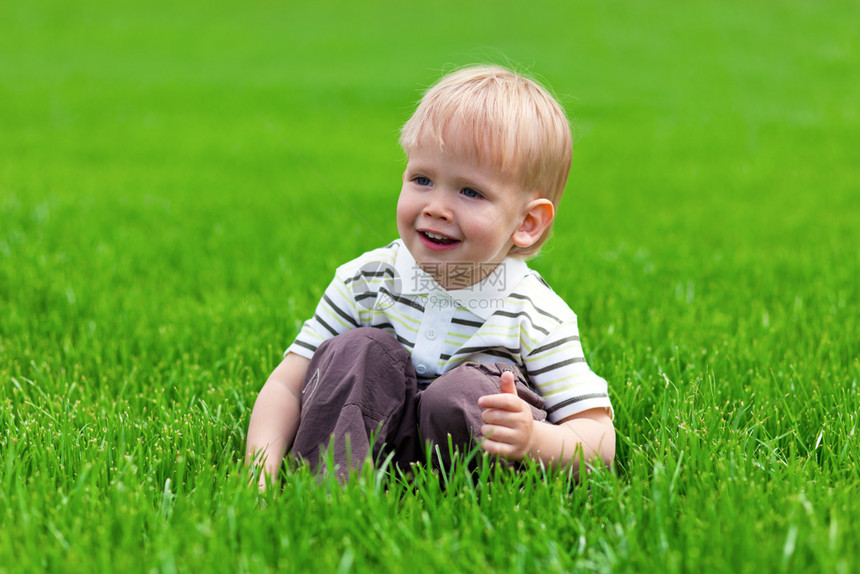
[449, 406]
[360, 389]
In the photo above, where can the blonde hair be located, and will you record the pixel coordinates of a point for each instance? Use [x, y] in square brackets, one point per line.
[505, 120]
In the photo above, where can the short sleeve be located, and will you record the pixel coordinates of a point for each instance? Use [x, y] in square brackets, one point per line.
[558, 369]
[336, 313]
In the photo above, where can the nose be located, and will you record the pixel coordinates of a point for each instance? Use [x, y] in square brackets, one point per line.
[437, 206]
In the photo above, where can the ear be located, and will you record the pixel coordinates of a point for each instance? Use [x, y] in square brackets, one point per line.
[539, 214]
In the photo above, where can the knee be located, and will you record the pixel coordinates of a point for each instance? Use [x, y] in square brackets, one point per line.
[449, 406]
[361, 364]
[356, 343]
[452, 393]
[361, 336]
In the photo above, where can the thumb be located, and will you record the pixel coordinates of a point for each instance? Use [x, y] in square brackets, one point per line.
[507, 385]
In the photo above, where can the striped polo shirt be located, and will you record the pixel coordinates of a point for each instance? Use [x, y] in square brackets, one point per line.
[511, 316]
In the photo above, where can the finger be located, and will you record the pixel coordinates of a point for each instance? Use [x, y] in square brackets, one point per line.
[504, 402]
[507, 384]
[498, 433]
[501, 449]
[501, 416]
[493, 447]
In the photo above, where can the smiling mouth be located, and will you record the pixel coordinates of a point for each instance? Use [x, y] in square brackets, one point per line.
[438, 239]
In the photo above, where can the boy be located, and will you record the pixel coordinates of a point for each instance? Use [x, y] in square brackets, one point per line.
[446, 334]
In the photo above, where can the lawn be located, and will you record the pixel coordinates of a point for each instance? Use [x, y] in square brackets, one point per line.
[178, 182]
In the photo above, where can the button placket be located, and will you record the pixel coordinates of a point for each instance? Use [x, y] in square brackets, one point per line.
[430, 341]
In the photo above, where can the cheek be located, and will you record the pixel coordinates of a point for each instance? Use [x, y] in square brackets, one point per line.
[404, 211]
[485, 223]
[491, 228]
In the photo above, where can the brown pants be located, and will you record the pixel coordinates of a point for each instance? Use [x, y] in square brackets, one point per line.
[361, 396]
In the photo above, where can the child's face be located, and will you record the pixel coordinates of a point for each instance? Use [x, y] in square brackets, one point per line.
[456, 216]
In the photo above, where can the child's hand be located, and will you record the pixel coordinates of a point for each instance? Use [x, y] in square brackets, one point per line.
[508, 421]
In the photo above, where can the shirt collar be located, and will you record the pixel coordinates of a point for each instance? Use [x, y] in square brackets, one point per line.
[480, 299]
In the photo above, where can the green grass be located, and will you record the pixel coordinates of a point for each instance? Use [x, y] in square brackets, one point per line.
[177, 184]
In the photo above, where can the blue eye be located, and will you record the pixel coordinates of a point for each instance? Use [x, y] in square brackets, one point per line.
[422, 181]
[473, 193]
